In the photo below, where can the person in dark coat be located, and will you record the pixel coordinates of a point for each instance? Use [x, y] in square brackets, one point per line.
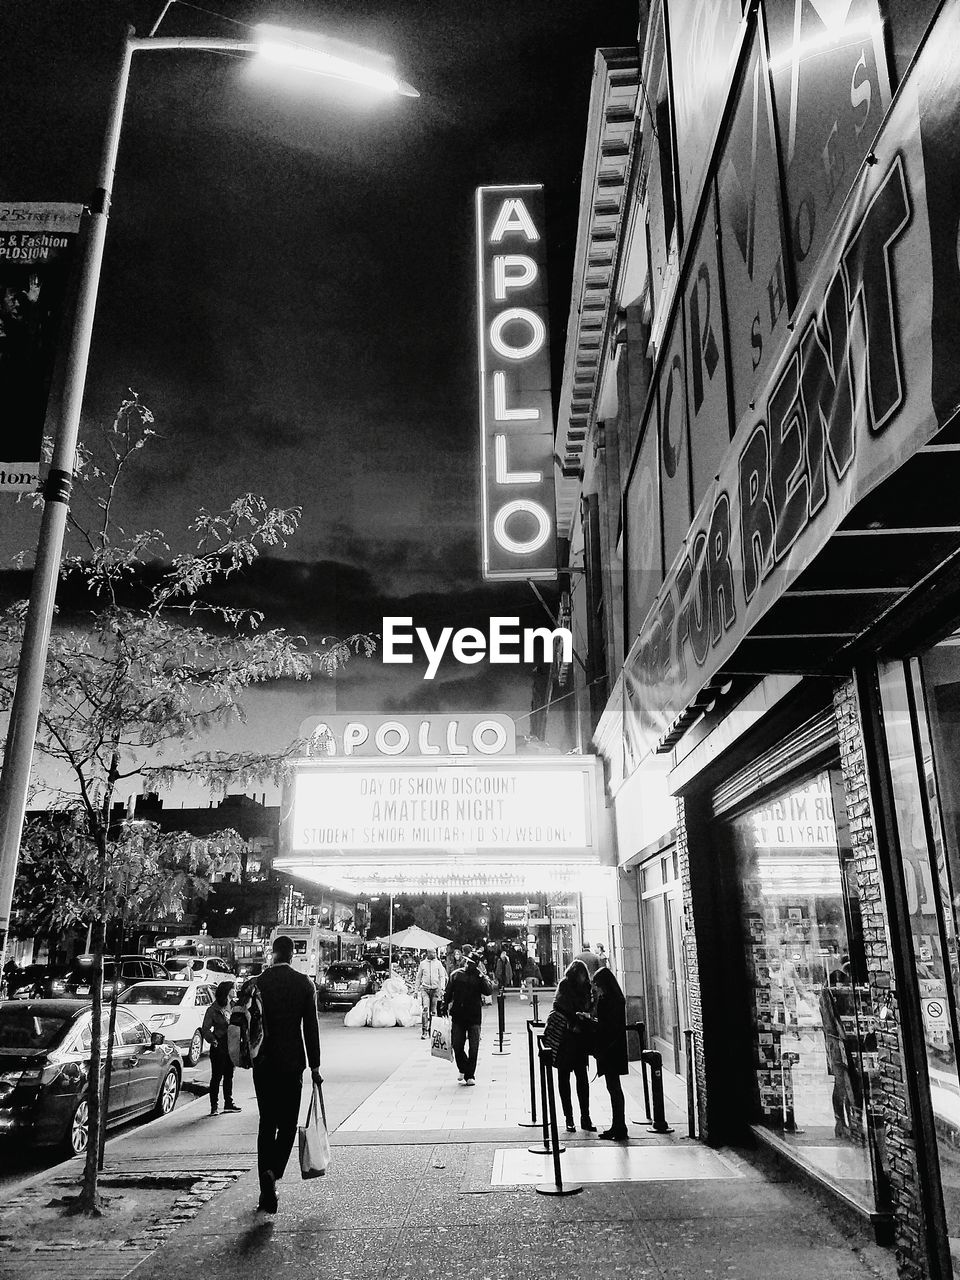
[216, 1025]
[463, 997]
[610, 1047]
[574, 1002]
[289, 1019]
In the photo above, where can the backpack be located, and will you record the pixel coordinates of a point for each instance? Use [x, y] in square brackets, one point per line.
[245, 1033]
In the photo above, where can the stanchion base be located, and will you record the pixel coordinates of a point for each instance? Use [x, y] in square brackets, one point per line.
[529, 1124]
[653, 1129]
[549, 1189]
[544, 1151]
[500, 1053]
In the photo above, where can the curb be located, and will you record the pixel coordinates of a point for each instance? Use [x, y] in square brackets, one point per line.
[56, 1170]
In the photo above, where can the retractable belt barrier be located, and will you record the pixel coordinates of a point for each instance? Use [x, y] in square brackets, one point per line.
[545, 1149]
[640, 1030]
[555, 1188]
[501, 1006]
[650, 1058]
[532, 1026]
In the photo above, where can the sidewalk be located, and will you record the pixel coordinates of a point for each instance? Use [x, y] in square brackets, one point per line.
[432, 1179]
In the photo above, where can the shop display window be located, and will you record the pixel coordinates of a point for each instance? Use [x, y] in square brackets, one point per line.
[921, 717]
[813, 1035]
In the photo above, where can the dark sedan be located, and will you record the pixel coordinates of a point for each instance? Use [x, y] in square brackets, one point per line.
[345, 982]
[38, 981]
[131, 969]
[45, 1061]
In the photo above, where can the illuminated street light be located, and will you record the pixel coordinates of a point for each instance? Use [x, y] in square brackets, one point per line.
[325, 57]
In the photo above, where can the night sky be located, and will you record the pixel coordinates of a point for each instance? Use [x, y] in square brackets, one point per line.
[289, 284]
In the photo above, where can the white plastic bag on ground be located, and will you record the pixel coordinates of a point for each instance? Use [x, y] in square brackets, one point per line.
[359, 1015]
[394, 987]
[409, 1015]
[382, 1013]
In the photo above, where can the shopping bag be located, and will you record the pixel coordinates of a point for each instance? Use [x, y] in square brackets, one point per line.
[441, 1039]
[314, 1143]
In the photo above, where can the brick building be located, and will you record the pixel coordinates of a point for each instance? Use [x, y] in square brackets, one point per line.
[757, 467]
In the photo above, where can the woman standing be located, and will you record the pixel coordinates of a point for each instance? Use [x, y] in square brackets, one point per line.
[567, 1033]
[216, 1025]
[610, 1048]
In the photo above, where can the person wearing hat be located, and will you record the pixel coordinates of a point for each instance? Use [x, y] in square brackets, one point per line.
[216, 1024]
[463, 998]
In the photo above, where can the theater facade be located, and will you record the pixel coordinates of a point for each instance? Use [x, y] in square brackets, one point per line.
[758, 449]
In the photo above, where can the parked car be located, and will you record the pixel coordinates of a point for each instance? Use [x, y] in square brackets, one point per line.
[38, 981]
[132, 969]
[198, 969]
[176, 1009]
[345, 982]
[45, 1061]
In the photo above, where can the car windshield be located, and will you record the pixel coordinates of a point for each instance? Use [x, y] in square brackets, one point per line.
[176, 963]
[27, 1029]
[344, 972]
[155, 993]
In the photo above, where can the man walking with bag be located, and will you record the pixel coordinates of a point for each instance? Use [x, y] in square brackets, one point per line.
[464, 1000]
[431, 979]
[289, 1020]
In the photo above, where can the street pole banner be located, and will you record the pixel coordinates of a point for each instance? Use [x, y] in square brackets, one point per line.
[37, 243]
[870, 374]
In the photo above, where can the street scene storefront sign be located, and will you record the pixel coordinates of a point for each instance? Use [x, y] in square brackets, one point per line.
[426, 735]
[544, 808]
[519, 534]
[37, 243]
[866, 379]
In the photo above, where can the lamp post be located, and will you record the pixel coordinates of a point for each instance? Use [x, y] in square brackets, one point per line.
[324, 57]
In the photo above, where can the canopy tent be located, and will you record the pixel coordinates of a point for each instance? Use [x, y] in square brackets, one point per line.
[416, 937]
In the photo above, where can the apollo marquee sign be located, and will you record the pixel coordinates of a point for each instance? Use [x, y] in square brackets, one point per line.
[509, 808]
[516, 413]
[406, 735]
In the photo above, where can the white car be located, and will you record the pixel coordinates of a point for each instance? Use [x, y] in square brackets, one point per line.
[199, 969]
[174, 1008]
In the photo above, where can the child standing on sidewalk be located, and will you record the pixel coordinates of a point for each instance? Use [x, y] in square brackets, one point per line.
[216, 1023]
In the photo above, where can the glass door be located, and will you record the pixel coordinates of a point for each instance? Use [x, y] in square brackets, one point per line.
[661, 914]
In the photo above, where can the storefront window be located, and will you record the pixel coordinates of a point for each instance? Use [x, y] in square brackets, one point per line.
[660, 917]
[814, 1041]
[920, 704]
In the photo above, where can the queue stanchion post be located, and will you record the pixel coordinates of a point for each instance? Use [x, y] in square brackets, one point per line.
[501, 1052]
[536, 1005]
[533, 1122]
[640, 1029]
[654, 1060]
[544, 1149]
[556, 1188]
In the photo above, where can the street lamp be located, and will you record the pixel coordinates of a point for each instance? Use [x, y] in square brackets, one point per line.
[324, 57]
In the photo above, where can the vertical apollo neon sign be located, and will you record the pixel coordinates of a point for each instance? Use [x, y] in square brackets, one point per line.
[516, 412]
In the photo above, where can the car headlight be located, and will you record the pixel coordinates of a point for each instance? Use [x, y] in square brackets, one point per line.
[163, 1019]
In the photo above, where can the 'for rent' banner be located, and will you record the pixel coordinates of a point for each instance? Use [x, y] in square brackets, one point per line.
[870, 371]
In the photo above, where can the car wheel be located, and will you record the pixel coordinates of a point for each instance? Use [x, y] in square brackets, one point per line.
[77, 1134]
[195, 1052]
[169, 1092]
